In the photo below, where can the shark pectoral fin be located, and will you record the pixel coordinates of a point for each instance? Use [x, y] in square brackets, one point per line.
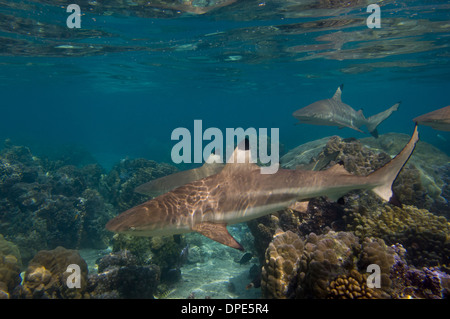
[217, 232]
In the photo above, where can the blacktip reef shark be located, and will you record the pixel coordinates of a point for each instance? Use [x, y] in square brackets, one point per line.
[438, 119]
[239, 193]
[333, 112]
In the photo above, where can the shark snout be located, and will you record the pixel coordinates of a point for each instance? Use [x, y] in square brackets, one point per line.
[128, 220]
[114, 225]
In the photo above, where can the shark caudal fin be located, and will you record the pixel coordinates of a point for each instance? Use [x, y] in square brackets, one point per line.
[386, 175]
[375, 120]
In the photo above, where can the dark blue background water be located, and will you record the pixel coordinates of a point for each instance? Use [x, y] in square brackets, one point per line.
[127, 104]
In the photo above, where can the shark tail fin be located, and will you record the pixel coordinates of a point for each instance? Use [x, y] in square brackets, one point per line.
[386, 175]
[375, 120]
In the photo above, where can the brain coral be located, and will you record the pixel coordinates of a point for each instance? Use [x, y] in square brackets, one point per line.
[425, 236]
[46, 275]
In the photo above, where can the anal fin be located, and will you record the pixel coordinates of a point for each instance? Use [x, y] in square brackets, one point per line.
[217, 232]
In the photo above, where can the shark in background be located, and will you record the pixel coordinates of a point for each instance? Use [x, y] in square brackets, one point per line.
[334, 112]
[438, 119]
[239, 193]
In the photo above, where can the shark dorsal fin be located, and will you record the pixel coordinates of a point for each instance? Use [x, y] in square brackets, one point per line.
[241, 157]
[338, 169]
[217, 232]
[338, 93]
[213, 158]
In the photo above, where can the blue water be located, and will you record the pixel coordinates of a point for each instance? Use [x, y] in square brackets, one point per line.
[126, 104]
[137, 70]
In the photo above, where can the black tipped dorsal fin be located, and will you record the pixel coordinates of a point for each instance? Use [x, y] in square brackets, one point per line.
[338, 93]
[213, 158]
[217, 232]
[241, 157]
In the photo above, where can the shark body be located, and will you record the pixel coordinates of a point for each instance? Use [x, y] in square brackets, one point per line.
[167, 183]
[333, 112]
[438, 119]
[239, 193]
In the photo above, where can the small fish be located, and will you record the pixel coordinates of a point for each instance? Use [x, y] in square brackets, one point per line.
[164, 294]
[184, 254]
[245, 258]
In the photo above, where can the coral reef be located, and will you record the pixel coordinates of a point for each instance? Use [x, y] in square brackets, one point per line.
[421, 183]
[317, 216]
[282, 257]
[355, 157]
[332, 265]
[336, 265]
[424, 283]
[46, 276]
[125, 176]
[164, 252]
[429, 176]
[425, 236]
[120, 275]
[45, 205]
[10, 264]
[351, 286]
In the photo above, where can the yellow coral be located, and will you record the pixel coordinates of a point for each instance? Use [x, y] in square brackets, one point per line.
[353, 286]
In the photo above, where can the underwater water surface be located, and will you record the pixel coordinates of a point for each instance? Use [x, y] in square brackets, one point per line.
[86, 115]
